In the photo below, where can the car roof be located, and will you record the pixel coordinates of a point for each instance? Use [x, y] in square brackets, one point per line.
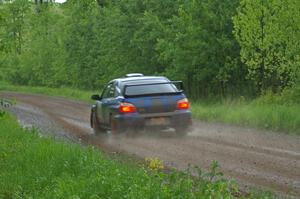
[120, 82]
[132, 79]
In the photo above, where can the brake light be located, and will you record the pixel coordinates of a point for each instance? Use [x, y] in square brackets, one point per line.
[127, 108]
[183, 104]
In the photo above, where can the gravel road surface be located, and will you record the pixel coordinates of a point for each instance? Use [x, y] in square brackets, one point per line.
[254, 158]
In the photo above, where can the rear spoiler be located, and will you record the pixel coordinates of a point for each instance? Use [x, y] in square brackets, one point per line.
[148, 84]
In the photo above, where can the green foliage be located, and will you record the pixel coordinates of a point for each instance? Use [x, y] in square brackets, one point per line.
[1, 108]
[199, 48]
[4, 104]
[12, 34]
[268, 32]
[82, 47]
[12, 18]
[267, 112]
[41, 62]
[68, 93]
[38, 31]
[289, 96]
[85, 43]
[37, 167]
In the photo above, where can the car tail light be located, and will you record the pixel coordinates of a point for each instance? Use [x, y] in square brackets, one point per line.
[183, 104]
[127, 108]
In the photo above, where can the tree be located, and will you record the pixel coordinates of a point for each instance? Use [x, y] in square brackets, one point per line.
[44, 57]
[200, 49]
[12, 34]
[81, 45]
[15, 22]
[268, 32]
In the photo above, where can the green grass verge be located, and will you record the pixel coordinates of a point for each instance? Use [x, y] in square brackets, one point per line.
[68, 93]
[38, 167]
[276, 117]
[264, 113]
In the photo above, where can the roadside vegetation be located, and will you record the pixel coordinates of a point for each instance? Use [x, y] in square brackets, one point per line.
[219, 49]
[32, 166]
[69, 93]
[276, 112]
[274, 117]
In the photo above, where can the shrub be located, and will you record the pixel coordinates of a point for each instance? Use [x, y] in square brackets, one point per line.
[4, 104]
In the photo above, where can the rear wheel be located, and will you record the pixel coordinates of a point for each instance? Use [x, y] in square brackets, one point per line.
[96, 125]
[114, 129]
[182, 131]
[134, 131]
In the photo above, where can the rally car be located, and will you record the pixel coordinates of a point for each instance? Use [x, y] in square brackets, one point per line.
[136, 102]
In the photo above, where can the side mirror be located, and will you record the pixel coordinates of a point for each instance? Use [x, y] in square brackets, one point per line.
[96, 97]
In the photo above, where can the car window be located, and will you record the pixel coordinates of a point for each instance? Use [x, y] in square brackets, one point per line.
[106, 92]
[151, 89]
[112, 91]
[148, 87]
[109, 92]
[118, 91]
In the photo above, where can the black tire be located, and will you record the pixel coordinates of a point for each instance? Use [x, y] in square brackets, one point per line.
[182, 131]
[133, 132]
[96, 125]
[114, 128]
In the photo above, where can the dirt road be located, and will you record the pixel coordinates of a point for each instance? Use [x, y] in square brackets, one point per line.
[254, 158]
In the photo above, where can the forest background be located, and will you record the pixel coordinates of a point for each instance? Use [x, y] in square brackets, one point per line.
[220, 49]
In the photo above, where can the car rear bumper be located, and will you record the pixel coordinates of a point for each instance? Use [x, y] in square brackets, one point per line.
[179, 118]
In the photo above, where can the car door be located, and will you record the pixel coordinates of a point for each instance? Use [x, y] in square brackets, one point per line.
[108, 104]
[102, 103]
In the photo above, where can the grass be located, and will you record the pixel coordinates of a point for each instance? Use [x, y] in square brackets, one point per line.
[263, 113]
[32, 166]
[275, 117]
[68, 93]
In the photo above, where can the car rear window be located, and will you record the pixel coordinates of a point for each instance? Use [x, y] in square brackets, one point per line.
[149, 89]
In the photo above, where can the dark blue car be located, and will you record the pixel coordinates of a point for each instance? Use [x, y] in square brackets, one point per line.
[136, 102]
